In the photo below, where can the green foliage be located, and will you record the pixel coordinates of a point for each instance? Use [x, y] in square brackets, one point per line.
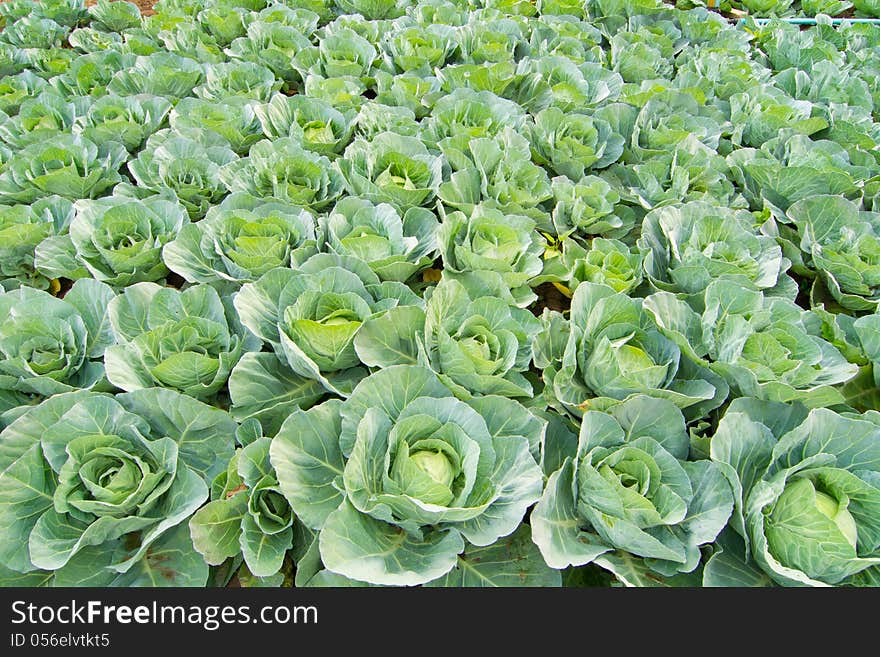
[442, 293]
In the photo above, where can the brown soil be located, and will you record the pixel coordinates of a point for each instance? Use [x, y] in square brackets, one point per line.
[550, 297]
[146, 6]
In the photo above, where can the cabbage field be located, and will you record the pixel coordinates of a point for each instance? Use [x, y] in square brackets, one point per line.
[442, 292]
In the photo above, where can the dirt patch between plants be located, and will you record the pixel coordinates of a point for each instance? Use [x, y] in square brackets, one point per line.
[146, 6]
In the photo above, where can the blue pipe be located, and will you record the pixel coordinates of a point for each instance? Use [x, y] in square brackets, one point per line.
[810, 21]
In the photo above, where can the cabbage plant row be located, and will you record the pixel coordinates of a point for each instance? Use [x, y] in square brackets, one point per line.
[442, 293]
